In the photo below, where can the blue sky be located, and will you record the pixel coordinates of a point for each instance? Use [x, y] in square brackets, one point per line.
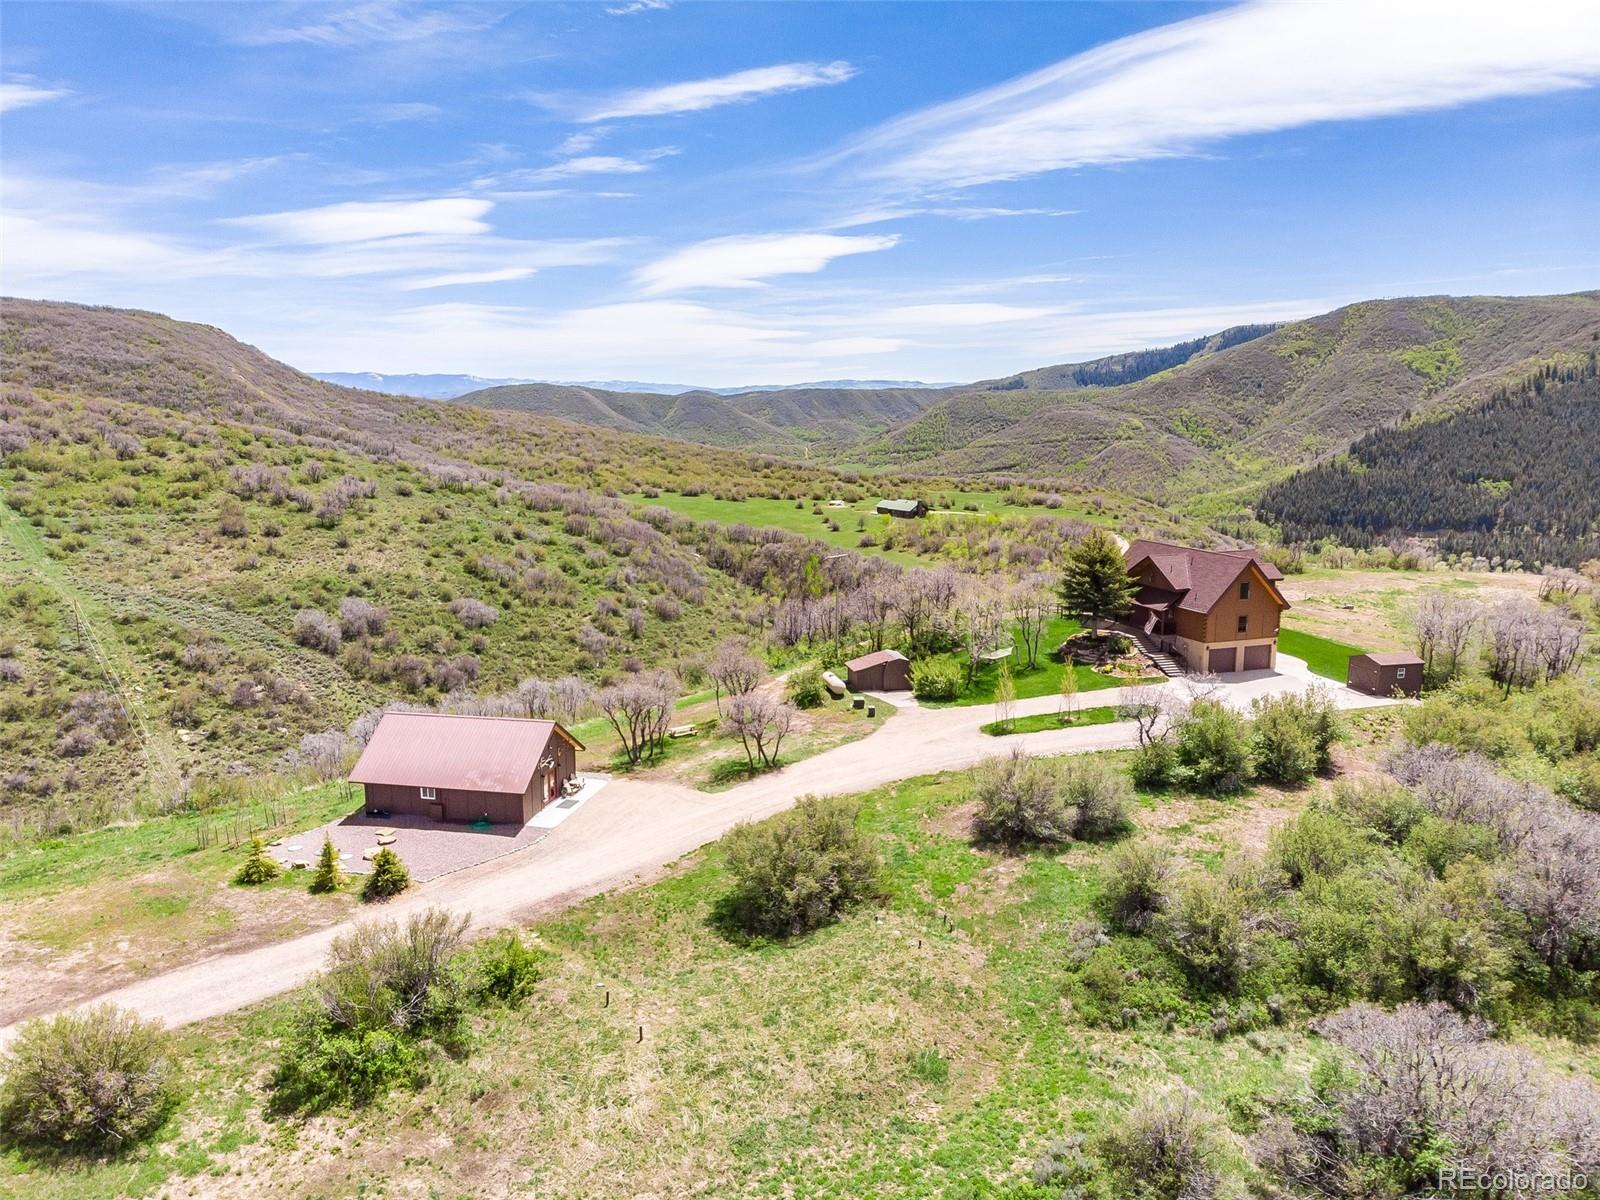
[732, 193]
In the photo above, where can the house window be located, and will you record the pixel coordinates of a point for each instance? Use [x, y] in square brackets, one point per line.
[1399, 672]
[1244, 593]
[1244, 622]
[428, 793]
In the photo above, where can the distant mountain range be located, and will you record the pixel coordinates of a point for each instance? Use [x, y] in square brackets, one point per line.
[448, 387]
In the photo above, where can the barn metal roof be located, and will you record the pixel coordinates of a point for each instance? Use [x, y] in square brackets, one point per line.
[898, 505]
[876, 658]
[443, 750]
[1392, 658]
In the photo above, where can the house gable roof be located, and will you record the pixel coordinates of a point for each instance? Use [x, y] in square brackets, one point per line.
[1204, 576]
[443, 750]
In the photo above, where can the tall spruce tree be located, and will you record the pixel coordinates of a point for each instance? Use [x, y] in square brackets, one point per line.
[1095, 579]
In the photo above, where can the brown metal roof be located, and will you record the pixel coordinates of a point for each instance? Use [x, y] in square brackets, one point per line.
[1203, 576]
[1393, 658]
[876, 658]
[478, 754]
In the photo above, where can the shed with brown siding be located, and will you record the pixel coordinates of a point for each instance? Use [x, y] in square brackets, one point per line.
[880, 671]
[457, 768]
[1384, 673]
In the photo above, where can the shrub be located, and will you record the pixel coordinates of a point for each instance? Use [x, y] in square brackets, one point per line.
[1166, 1148]
[388, 877]
[1019, 802]
[1212, 924]
[92, 1079]
[799, 870]
[1315, 843]
[806, 689]
[1213, 746]
[509, 968]
[935, 679]
[1155, 764]
[359, 1031]
[474, 614]
[1098, 798]
[1135, 882]
[358, 617]
[1420, 1089]
[329, 878]
[1284, 750]
[259, 866]
[317, 630]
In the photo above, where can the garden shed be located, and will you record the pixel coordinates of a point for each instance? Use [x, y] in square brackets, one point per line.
[459, 768]
[1384, 673]
[880, 671]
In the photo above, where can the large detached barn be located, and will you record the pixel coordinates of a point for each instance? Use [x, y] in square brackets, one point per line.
[451, 768]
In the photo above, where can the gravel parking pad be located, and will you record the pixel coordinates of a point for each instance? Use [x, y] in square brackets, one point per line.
[429, 849]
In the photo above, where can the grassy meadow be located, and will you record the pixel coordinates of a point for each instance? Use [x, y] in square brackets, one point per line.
[894, 1053]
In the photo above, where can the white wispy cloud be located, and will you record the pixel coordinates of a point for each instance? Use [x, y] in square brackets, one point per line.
[374, 22]
[363, 221]
[22, 91]
[1256, 68]
[399, 111]
[746, 260]
[638, 6]
[462, 278]
[696, 95]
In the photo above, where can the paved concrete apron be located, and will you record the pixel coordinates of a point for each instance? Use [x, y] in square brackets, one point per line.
[631, 829]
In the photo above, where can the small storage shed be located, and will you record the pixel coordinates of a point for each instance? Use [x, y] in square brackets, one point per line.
[457, 768]
[880, 671]
[902, 508]
[1385, 672]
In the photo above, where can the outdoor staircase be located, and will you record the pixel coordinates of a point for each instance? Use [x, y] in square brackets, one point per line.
[1167, 663]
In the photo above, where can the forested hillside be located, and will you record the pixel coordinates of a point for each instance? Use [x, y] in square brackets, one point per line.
[1239, 417]
[1515, 479]
[1118, 369]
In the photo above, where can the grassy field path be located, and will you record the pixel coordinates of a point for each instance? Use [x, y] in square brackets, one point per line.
[92, 616]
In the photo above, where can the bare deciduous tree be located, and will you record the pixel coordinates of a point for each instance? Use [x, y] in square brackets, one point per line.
[734, 670]
[1443, 625]
[1032, 605]
[640, 711]
[760, 722]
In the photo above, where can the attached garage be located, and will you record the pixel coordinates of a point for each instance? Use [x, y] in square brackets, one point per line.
[1258, 658]
[1222, 659]
[882, 671]
[456, 768]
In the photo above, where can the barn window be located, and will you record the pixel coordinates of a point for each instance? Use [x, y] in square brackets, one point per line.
[1244, 623]
[428, 793]
[1244, 593]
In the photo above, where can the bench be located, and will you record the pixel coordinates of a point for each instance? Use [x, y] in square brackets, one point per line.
[682, 731]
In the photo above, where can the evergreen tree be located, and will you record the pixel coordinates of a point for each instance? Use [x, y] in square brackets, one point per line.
[259, 866]
[329, 878]
[1096, 580]
[389, 876]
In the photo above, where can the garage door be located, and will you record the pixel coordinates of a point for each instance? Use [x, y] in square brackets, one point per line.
[1257, 658]
[1222, 660]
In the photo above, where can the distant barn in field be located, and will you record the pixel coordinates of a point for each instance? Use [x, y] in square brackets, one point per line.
[902, 508]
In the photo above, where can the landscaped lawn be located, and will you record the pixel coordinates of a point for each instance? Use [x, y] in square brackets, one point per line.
[1043, 680]
[1324, 656]
[1039, 722]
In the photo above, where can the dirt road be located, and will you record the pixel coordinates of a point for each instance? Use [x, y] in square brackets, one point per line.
[630, 831]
